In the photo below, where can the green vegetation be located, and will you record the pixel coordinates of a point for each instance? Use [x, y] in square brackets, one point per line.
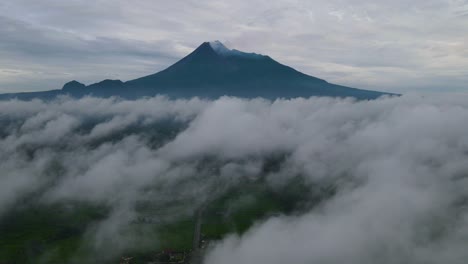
[47, 233]
[242, 207]
[56, 233]
[176, 236]
[236, 212]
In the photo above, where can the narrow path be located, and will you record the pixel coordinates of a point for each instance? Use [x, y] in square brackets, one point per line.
[197, 230]
[196, 254]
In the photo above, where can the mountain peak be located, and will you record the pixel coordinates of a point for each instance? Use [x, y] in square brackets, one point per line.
[221, 50]
[219, 47]
[73, 85]
[107, 84]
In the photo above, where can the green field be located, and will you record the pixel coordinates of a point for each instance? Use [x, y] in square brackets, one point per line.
[40, 233]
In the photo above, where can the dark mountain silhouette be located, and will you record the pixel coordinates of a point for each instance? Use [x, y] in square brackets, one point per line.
[211, 71]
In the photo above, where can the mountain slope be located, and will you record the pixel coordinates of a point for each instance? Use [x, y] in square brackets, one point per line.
[211, 71]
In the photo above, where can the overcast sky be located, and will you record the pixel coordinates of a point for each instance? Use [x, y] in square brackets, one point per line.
[398, 46]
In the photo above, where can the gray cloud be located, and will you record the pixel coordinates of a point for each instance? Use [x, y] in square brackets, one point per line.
[406, 161]
[398, 164]
[395, 46]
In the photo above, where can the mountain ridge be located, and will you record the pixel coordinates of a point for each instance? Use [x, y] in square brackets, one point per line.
[211, 71]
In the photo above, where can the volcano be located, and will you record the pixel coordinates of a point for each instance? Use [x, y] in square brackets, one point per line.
[211, 71]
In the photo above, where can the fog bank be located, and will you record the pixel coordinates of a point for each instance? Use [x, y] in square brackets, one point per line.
[397, 165]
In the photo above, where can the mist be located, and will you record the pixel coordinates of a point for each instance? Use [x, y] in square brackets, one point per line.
[397, 167]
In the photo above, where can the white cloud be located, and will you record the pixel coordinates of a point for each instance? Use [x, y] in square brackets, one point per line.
[398, 166]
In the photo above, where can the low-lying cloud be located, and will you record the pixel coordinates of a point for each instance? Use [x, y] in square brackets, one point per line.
[398, 167]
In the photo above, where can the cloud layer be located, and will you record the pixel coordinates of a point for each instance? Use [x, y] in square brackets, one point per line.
[398, 166]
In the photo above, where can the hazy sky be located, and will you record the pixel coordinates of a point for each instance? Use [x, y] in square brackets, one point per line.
[399, 46]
